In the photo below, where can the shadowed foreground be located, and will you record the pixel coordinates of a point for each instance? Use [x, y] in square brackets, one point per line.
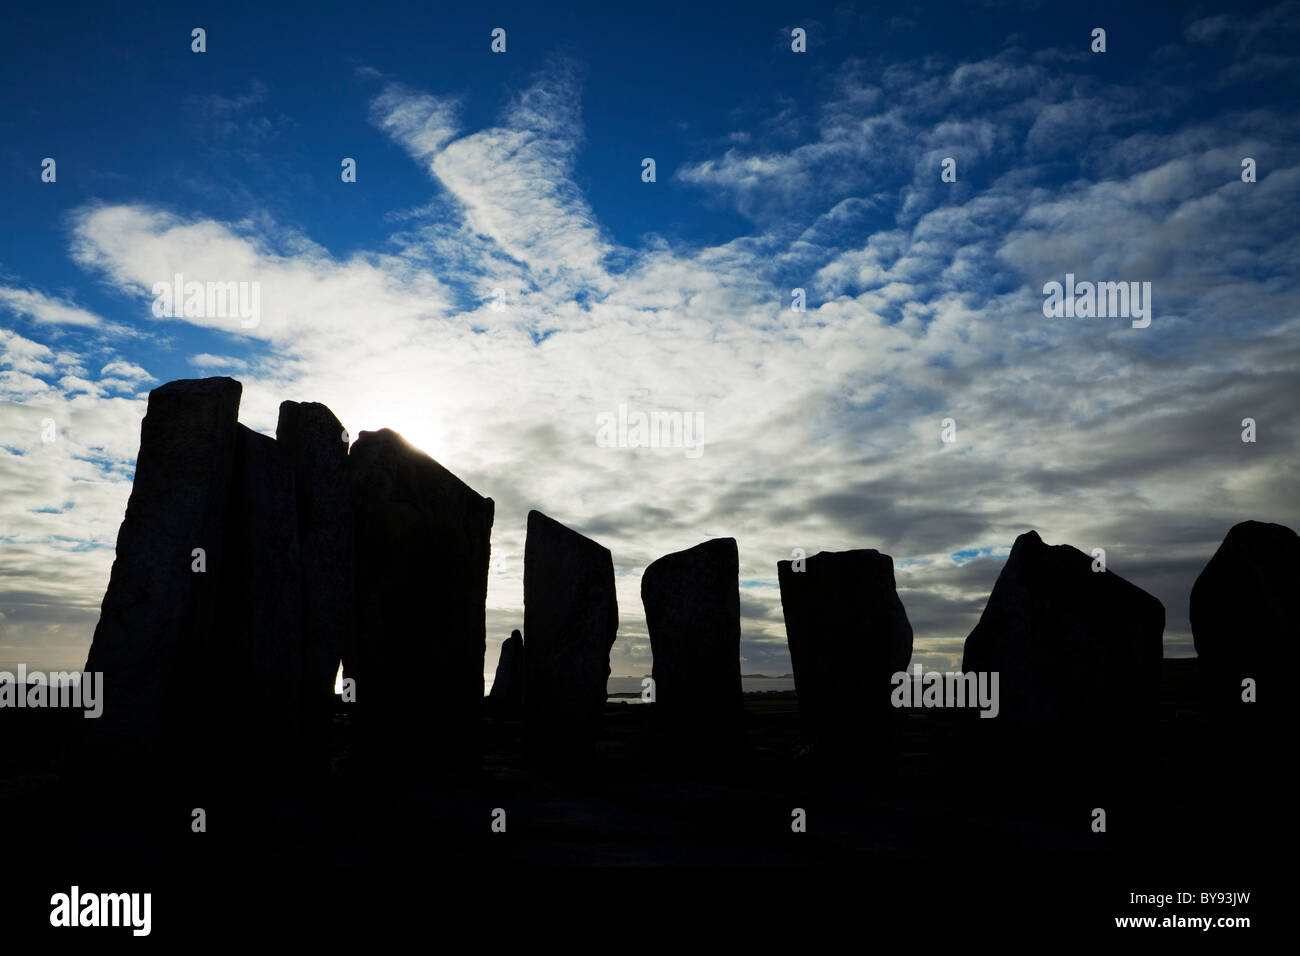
[946, 817]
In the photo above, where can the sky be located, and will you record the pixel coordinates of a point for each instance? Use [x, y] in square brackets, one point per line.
[500, 278]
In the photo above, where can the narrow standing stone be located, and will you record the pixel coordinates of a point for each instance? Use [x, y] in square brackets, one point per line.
[692, 609]
[252, 670]
[315, 443]
[570, 622]
[1243, 613]
[507, 695]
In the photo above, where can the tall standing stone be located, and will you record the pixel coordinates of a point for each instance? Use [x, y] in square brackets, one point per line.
[507, 696]
[1075, 649]
[848, 634]
[1243, 612]
[158, 612]
[251, 670]
[570, 621]
[317, 446]
[692, 609]
[422, 540]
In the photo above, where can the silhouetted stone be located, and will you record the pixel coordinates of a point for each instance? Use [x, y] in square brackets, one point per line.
[1243, 611]
[692, 610]
[848, 634]
[570, 619]
[422, 541]
[313, 440]
[1075, 649]
[251, 671]
[157, 619]
[507, 695]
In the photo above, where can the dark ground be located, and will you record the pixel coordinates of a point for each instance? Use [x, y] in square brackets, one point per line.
[944, 833]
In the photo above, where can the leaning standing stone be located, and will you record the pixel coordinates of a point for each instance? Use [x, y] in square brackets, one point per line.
[158, 612]
[848, 634]
[422, 540]
[507, 696]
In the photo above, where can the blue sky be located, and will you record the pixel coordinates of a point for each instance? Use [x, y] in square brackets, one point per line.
[775, 170]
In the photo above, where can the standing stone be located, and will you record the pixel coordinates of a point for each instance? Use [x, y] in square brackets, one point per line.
[692, 610]
[1075, 649]
[422, 540]
[1243, 612]
[507, 696]
[251, 670]
[848, 634]
[314, 441]
[570, 619]
[157, 615]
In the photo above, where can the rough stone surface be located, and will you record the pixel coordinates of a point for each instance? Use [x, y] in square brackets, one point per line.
[848, 633]
[313, 439]
[158, 615]
[507, 695]
[1243, 609]
[421, 540]
[570, 621]
[1074, 648]
[692, 609]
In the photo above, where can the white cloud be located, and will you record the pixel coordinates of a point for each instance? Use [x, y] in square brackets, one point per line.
[127, 371]
[205, 360]
[513, 181]
[420, 122]
[46, 309]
